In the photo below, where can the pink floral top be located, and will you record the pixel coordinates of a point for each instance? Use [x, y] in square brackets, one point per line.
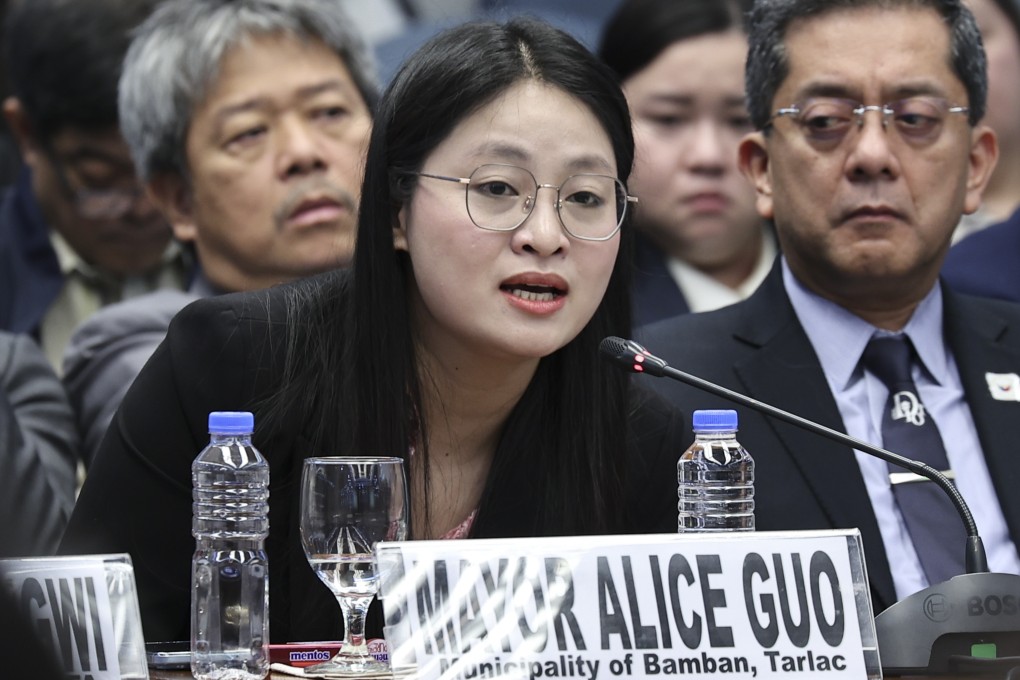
[463, 529]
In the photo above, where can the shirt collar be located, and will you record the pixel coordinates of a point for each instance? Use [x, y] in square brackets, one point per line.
[840, 352]
[70, 262]
[704, 293]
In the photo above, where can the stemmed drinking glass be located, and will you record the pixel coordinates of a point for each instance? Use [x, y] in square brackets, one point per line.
[348, 504]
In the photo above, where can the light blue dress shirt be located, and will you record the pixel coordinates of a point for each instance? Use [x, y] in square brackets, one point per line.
[839, 339]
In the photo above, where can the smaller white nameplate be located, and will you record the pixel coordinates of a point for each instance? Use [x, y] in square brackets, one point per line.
[87, 608]
[747, 605]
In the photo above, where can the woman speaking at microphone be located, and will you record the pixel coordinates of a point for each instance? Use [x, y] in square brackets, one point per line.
[464, 340]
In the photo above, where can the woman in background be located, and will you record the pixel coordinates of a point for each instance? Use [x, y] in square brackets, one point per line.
[999, 21]
[490, 263]
[701, 244]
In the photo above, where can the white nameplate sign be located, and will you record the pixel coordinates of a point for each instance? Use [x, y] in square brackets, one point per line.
[749, 605]
[87, 607]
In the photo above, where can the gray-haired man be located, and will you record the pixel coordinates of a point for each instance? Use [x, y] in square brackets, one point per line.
[247, 121]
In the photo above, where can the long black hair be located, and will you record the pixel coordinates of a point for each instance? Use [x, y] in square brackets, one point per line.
[351, 366]
[640, 30]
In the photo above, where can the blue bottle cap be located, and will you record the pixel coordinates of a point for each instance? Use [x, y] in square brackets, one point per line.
[717, 420]
[231, 422]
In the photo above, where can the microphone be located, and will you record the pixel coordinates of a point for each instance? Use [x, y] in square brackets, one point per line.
[637, 359]
[944, 639]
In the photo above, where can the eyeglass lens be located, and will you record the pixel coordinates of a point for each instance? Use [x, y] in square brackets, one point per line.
[916, 119]
[501, 197]
[95, 204]
[105, 204]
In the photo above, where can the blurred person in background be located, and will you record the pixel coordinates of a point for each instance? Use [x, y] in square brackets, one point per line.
[999, 21]
[38, 451]
[397, 28]
[10, 158]
[248, 123]
[985, 262]
[37, 462]
[76, 230]
[700, 242]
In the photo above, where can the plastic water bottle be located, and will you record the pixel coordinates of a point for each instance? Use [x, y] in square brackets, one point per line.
[230, 572]
[716, 477]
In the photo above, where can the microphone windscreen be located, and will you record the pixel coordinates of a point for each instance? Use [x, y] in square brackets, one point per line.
[616, 348]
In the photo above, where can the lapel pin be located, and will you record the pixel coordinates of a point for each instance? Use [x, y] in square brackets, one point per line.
[1004, 386]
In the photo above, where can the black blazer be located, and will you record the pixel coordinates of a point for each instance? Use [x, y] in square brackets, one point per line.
[804, 481]
[654, 293]
[30, 276]
[985, 263]
[226, 353]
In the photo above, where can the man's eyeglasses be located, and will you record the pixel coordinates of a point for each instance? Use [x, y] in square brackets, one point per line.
[501, 197]
[828, 120]
[96, 204]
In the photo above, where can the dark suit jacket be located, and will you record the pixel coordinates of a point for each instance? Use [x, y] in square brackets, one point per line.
[654, 293]
[804, 481]
[987, 263]
[226, 353]
[30, 277]
[39, 451]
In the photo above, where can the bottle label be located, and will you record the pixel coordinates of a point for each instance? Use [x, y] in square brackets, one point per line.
[721, 452]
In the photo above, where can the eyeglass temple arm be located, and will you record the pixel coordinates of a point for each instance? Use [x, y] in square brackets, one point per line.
[458, 180]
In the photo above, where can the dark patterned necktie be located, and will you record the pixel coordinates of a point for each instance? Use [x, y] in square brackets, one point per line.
[935, 528]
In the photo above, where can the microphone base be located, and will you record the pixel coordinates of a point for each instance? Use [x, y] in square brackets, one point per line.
[969, 624]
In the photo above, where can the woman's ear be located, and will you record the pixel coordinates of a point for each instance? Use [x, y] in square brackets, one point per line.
[400, 229]
[401, 189]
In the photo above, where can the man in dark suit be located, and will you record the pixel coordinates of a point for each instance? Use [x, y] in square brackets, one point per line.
[76, 229]
[867, 152]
